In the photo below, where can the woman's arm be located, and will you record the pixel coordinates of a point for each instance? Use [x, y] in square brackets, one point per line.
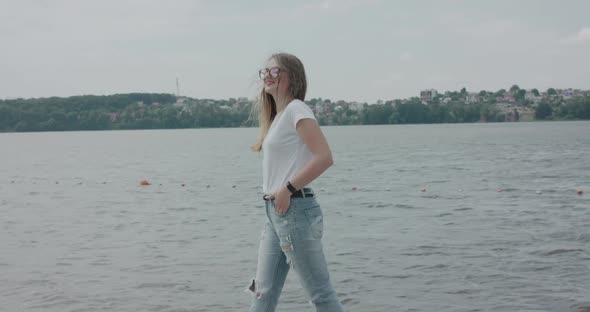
[309, 130]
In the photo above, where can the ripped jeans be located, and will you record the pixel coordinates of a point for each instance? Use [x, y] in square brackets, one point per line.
[293, 240]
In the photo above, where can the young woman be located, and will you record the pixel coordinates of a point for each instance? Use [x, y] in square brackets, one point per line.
[295, 152]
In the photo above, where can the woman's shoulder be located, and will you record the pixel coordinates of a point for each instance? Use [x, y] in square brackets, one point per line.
[297, 104]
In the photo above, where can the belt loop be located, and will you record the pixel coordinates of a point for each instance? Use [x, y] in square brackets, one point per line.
[303, 192]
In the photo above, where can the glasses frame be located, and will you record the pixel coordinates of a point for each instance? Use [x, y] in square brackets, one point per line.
[267, 72]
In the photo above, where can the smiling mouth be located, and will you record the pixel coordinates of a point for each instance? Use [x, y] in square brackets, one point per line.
[268, 83]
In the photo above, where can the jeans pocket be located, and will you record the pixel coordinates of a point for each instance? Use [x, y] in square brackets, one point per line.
[273, 204]
[315, 219]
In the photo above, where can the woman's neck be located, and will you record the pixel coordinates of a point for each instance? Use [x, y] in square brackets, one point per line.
[282, 103]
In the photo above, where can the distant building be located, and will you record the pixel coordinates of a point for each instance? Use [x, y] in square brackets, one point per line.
[319, 108]
[505, 98]
[530, 96]
[428, 95]
[567, 94]
[472, 98]
[355, 106]
[113, 116]
[180, 101]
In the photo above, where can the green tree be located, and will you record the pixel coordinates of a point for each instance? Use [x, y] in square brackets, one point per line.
[551, 91]
[575, 108]
[535, 92]
[500, 92]
[514, 88]
[543, 111]
[519, 95]
[413, 112]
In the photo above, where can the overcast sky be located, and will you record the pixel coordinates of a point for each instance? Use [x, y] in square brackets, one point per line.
[352, 50]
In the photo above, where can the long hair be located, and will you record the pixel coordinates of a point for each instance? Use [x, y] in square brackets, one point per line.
[265, 105]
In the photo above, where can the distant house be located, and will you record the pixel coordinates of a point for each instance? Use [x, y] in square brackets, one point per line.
[504, 107]
[355, 106]
[530, 96]
[472, 98]
[428, 95]
[319, 108]
[567, 94]
[113, 116]
[180, 101]
[505, 98]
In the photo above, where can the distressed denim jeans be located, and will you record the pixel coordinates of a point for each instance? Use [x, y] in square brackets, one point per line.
[293, 240]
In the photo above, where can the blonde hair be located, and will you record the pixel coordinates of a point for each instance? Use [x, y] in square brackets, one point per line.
[266, 107]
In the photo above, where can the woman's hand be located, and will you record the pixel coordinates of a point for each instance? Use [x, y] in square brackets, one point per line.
[282, 200]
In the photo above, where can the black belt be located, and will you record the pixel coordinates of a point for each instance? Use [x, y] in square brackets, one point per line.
[307, 191]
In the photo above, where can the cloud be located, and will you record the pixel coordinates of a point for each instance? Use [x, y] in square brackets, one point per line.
[388, 80]
[478, 26]
[92, 21]
[346, 5]
[438, 78]
[583, 35]
[331, 7]
[406, 56]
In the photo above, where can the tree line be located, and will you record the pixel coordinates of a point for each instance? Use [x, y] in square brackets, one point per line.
[166, 111]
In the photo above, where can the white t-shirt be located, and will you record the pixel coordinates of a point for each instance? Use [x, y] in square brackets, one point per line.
[284, 152]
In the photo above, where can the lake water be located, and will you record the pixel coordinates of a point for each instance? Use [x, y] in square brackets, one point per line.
[465, 217]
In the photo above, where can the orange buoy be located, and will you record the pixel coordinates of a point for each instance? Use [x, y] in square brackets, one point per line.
[579, 192]
[500, 190]
[354, 188]
[144, 182]
[423, 189]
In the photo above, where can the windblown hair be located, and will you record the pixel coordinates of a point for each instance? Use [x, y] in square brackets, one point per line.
[266, 106]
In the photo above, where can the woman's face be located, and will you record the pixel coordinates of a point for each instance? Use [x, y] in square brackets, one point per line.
[275, 78]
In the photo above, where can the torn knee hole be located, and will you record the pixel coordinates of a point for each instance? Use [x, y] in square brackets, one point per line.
[253, 289]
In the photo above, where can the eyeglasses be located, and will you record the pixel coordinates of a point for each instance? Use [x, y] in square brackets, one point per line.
[270, 72]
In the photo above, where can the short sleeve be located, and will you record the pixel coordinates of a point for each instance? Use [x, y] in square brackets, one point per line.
[300, 110]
